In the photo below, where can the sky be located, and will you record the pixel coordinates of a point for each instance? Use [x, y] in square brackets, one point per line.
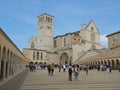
[18, 18]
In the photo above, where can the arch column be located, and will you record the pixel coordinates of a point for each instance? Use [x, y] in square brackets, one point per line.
[117, 64]
[3, 69]
[0, 70]
[113, 64]
[0, 62]
[8, 69]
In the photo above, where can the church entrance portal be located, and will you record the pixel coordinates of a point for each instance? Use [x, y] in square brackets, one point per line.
[64, 59]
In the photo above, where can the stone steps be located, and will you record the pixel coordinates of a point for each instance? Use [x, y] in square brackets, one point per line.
[95, 80]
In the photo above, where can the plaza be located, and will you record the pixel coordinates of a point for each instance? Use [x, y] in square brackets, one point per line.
[83, 35]
[15, 75]
[95, 80]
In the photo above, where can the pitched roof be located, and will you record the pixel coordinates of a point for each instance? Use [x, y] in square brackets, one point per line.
[106, 54]
[113, 33]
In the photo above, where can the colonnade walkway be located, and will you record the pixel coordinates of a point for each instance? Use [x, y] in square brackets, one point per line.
[95, 80]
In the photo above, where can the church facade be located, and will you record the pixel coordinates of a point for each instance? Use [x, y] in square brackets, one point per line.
[108, 56]
[61, 49]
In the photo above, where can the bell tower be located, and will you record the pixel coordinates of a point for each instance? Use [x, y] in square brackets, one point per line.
[45, 32]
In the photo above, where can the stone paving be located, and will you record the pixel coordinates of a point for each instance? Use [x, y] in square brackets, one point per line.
[15, 82]
[95, 80]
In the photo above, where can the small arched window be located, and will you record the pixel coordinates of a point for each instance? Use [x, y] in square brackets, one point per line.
[55, 44]
[32, 45]
[41, 55]
[33, 55]
[37, 55]
[64, 41]
[92, 28]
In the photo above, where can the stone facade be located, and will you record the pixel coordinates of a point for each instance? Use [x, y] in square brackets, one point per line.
[65, 48]
[12, 60]
[114, 40]
[110, 56]
[44, 40]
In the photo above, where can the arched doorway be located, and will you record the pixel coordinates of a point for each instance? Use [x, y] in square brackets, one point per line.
[113, 64]
[0, 63]
[105, 63]
[7, 63]
[98, 62]
[30, 63]
[10, 63]
[3, 64]
[64, 59]
[117, 64]
[109, 62]
[1, 73]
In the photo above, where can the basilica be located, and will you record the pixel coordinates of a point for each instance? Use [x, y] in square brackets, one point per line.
[61, 49]
[79, 47]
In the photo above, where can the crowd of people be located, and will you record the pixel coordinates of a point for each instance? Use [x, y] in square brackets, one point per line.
[72, 69]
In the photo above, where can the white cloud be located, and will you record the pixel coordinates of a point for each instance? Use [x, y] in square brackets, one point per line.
[104, 40]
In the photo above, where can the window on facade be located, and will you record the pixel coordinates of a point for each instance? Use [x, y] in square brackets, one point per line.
[32, 45]
[40, 27]
[51, 20]
[37, 55]
[41, 56]
[48, 27]
[33, 55]
[113, 41]
[64, 41]
[46, 18]
[91, 28]
[42, 18]
[55, 43]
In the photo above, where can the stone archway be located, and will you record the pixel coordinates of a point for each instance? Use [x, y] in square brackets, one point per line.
[1, 73]
[7, 63]
[117, 64]
[0, 53]
[0, 62]
[64, 58]
[113, 64]
[109, 62]
[102, 62]
[30, 63]
[99, 63]
[10, 63]
[3, 64]
[105, 63]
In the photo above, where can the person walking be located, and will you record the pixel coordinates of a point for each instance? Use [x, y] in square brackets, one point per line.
[60, 67]
[70, 72]
[52, 68]
[49, 69]
[64, 67]
[76, 72]
[86, 69]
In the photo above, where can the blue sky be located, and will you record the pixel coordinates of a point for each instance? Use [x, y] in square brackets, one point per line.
[18, 18]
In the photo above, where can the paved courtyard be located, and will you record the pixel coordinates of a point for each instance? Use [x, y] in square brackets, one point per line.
[95, 80]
